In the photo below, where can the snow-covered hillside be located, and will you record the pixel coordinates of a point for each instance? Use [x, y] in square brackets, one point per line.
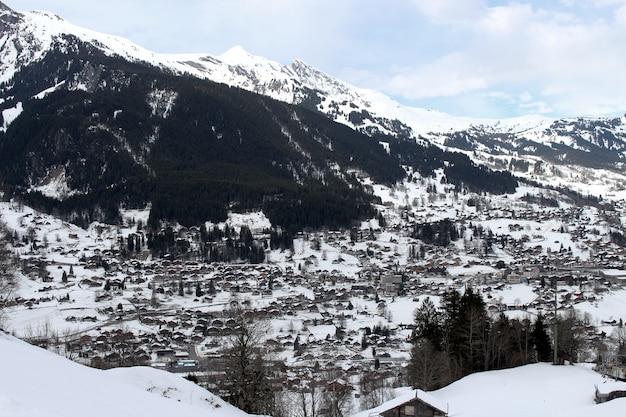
[532, 390]
[37, 383]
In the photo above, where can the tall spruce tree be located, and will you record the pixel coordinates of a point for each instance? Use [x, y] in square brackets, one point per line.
[474, 325]
[542, 340]
[427, 363]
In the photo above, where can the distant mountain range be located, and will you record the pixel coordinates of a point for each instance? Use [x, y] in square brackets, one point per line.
[91, 122]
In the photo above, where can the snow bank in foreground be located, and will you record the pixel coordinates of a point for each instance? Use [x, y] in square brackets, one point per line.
[37, 383]
[533, 390]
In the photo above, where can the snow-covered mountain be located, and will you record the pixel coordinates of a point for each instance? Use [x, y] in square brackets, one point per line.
[552, 152]
[27, 36]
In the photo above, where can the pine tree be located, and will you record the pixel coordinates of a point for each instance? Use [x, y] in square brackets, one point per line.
[427, 363]
[542, 340]
[211, 288]
[428, 324]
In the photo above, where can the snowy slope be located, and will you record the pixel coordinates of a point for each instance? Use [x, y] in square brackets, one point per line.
[533, 390]
[37, 383]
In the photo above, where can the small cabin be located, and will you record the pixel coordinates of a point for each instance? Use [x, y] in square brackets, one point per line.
[417, 403]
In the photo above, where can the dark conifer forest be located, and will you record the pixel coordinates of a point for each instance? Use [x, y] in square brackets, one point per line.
[128, 135]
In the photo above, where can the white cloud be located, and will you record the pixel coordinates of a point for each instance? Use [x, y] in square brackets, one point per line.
[447, 76]
[576, 64]
[620, 16]
[451, 11]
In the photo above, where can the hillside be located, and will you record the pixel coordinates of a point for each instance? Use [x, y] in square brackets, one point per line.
[532, 390]
[37, 383]
[89, 128]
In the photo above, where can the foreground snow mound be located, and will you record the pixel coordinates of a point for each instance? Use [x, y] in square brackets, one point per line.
[533, 390]
[37, 383]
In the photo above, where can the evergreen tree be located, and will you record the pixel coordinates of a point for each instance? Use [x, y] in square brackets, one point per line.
[211, 288]
[542, 340]
[427, 362]
[474, 325]
[428, 323]
[296, 343]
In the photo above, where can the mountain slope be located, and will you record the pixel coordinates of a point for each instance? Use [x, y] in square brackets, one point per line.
[130, 134]
[91, 122]
[301, 84]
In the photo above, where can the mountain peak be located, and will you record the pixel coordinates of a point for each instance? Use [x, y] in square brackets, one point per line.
[236, 54]
[5, 8]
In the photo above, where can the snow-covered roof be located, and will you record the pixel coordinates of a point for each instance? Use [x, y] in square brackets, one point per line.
[614, 273]
[611, 386]
[403, 399]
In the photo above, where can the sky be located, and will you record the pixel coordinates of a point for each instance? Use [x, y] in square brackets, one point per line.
[475, 58]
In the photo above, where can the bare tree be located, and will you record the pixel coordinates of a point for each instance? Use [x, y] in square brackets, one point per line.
[618, 335]
[428, 366]
[307, 401]
[8, 283]
[336, 398]
[374, 389]
[247, 376]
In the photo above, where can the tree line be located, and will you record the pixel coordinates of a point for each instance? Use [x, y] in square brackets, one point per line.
[460, 337]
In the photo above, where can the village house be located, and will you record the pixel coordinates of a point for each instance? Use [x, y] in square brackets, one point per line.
[391, 283]
[417, 403]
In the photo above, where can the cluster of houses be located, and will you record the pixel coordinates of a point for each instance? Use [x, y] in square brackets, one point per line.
[171, 308]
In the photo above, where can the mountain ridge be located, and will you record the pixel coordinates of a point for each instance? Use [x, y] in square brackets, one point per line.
[264, 70]
[48, 62]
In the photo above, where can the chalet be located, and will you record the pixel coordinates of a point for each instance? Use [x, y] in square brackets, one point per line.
[514, 278]
[391, 283]
[417, 403]
[614, 276]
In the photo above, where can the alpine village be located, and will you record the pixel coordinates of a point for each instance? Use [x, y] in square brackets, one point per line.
[279, 243]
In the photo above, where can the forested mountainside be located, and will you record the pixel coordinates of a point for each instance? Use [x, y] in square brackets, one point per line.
[111, 132]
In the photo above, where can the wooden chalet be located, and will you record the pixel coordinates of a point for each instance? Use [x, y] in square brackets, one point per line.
[416, 403]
